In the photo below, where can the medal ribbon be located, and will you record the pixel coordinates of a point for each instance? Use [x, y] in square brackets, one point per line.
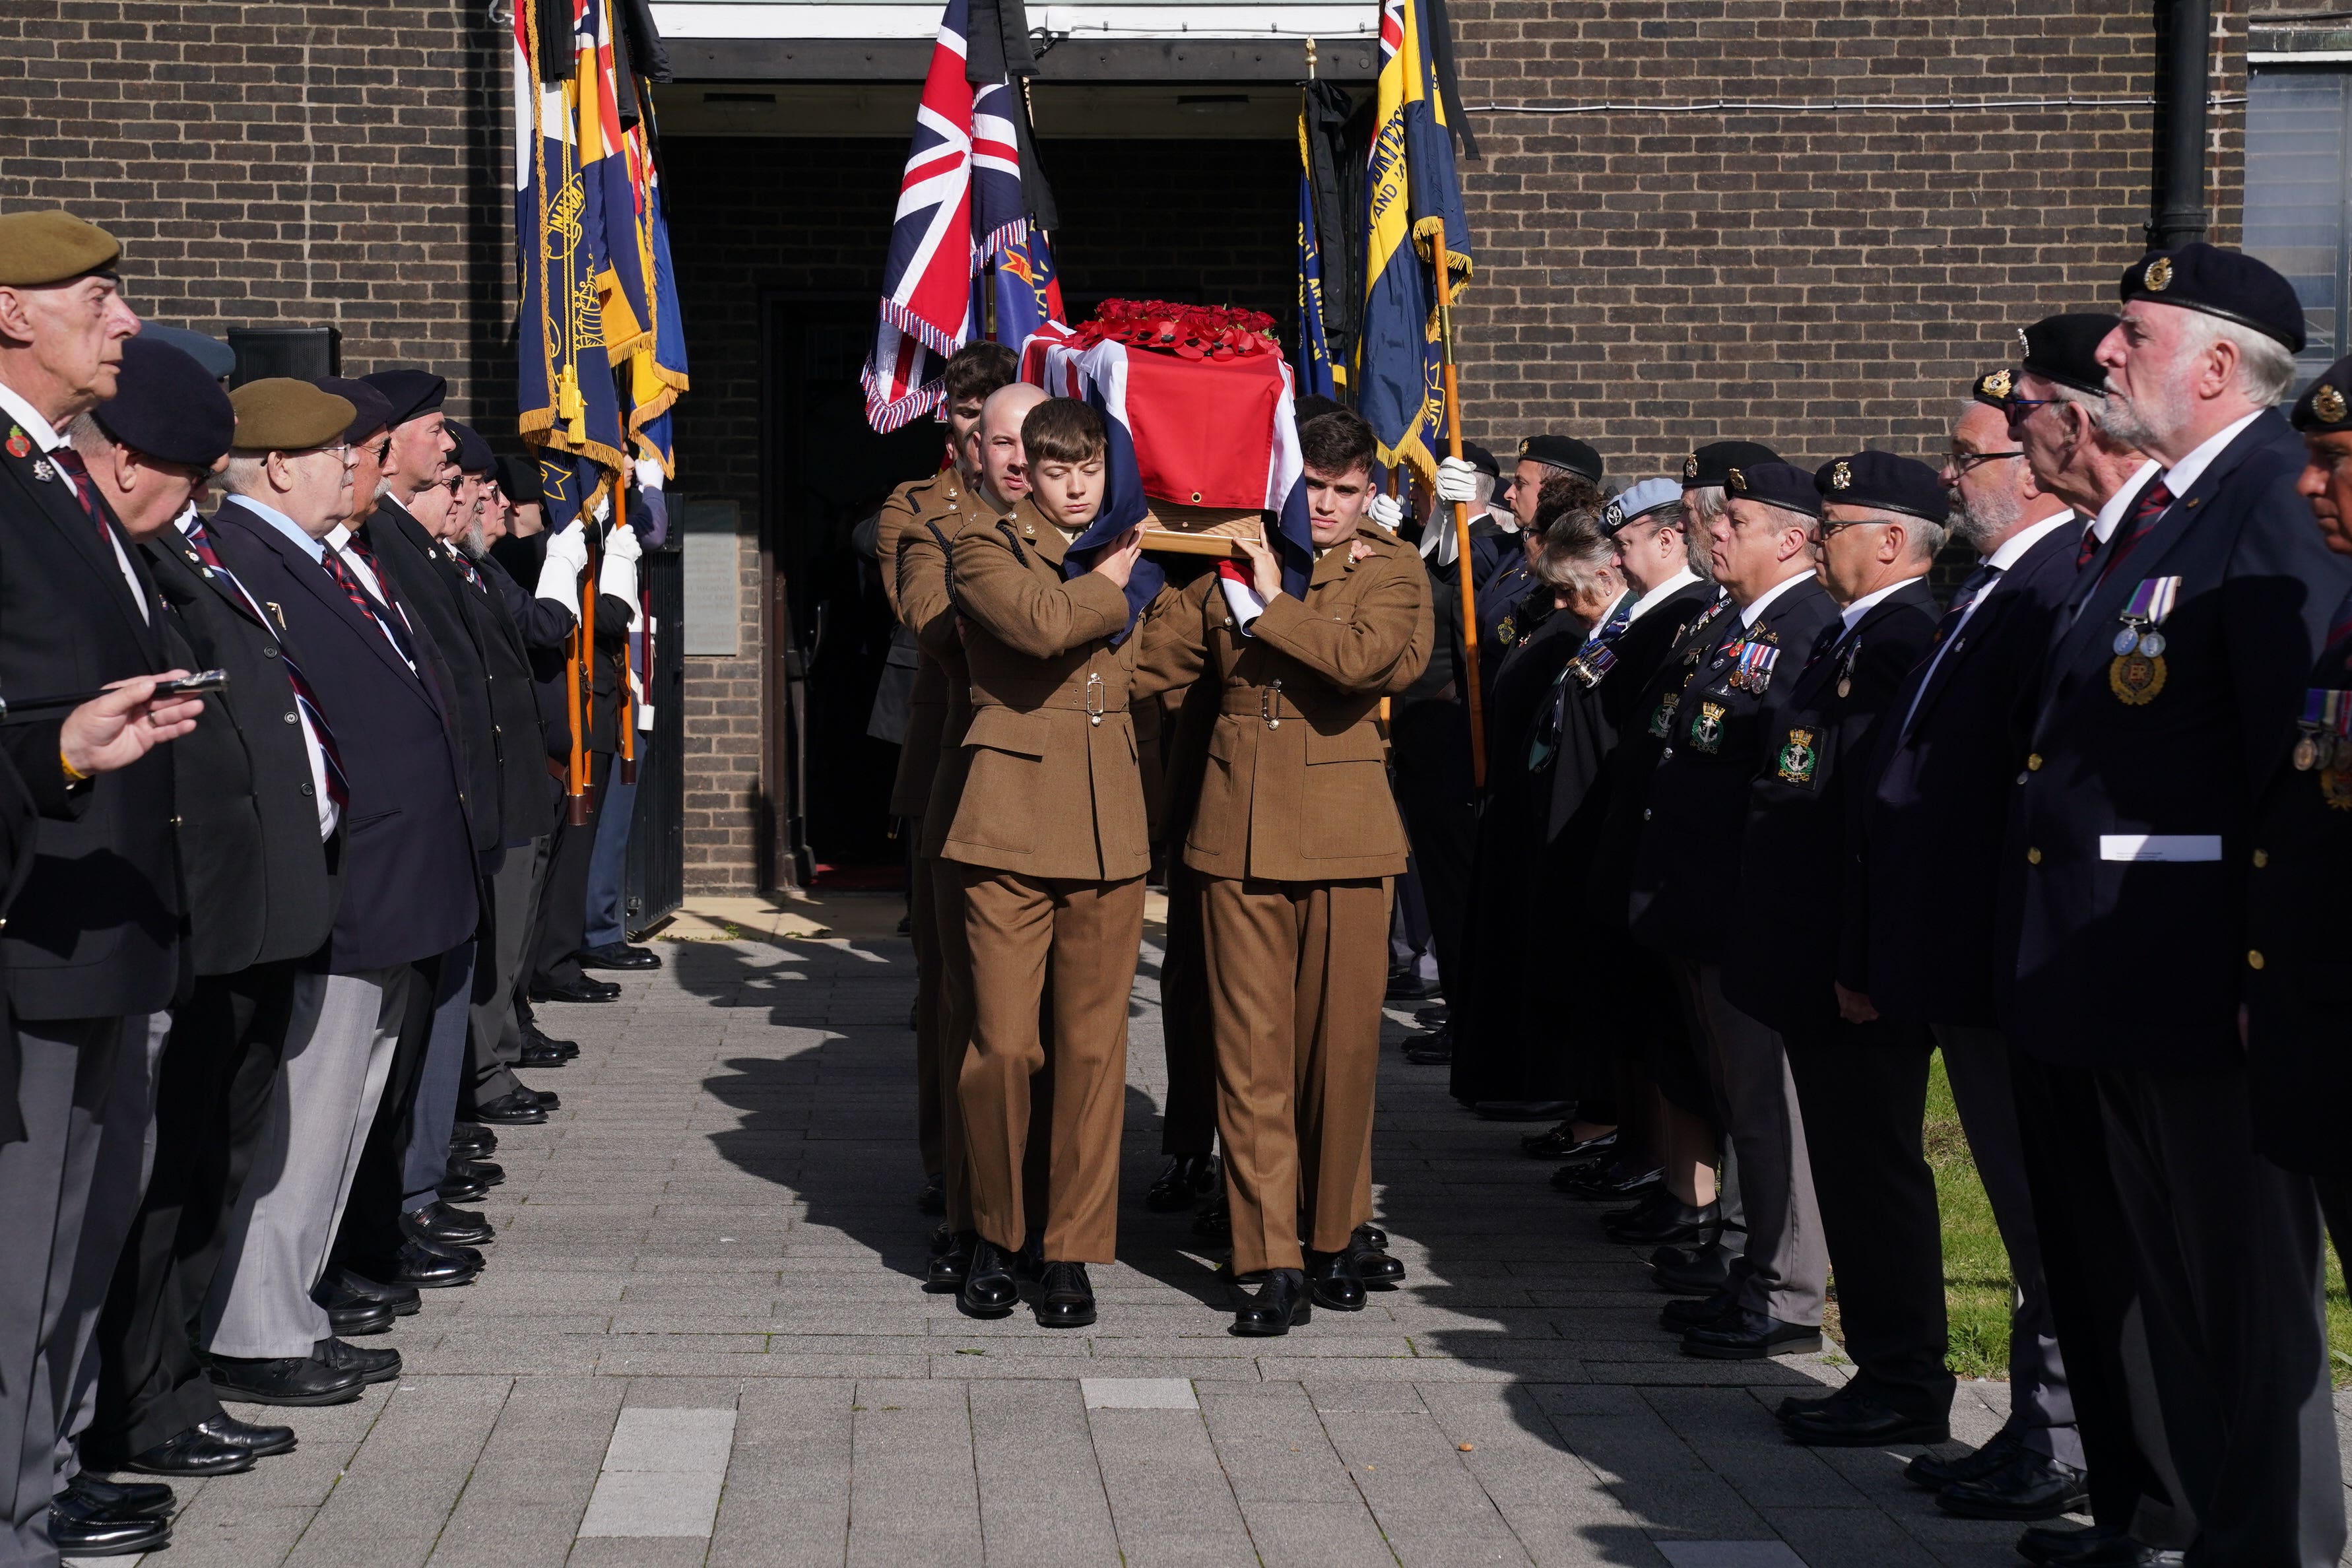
[2153, 600]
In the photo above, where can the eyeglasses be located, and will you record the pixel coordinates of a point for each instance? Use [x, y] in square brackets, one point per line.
[1962, 462]
[2014, 408]
[1824, 529]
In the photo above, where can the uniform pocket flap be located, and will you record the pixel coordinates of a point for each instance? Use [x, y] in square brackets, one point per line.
[1357, 743]
[1002, 730]
[1225, 740]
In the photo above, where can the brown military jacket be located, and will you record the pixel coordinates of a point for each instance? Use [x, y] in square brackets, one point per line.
[917, 521]
[1051, 787]
[1295, 789]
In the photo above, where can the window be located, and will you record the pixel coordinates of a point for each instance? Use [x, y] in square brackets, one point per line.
[2298, 208]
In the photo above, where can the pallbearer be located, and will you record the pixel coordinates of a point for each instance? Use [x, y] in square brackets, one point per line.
[1293, 845]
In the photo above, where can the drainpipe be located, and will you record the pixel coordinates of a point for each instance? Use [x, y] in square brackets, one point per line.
[2179, 196]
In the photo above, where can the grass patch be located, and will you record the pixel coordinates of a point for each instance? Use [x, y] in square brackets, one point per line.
[1976, 1268]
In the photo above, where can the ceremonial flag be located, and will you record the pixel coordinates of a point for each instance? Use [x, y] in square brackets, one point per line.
[1028, 288]
[1410, 188]
[656, 369]
[1314, 360]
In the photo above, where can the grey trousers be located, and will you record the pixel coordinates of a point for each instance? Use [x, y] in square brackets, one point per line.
[1784, 1269]
[432, 1114]
[338, 1054]
[70, 1074]
[2041, 1409]
[494, 1043]
[2226, 1247]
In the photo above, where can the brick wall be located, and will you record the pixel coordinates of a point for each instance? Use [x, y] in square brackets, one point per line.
[281, 164]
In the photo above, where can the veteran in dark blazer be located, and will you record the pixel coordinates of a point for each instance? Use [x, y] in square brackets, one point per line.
[2168, 708]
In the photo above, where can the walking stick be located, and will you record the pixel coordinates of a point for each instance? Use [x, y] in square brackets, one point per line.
[1461, 515]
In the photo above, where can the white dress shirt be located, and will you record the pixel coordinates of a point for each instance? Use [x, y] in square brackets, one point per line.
[1661, 594]
[2112, 513]
[1763, 601]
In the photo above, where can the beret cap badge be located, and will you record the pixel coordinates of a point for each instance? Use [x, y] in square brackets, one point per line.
[2328, 404]
[1998, 383]
[1841, 476]
[1690, 466]
[1738, 482]
[1613, 516]
[2158, 276]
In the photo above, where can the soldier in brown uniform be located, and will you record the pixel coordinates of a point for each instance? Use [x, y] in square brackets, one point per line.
[1049, 834]
[931, 510]
[1293, 846]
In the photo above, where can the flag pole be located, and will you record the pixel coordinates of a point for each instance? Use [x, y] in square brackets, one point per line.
[1460, 513]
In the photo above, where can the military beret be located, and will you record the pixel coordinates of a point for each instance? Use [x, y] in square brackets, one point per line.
[2225, 283]
[1884, 482]
[373, 414]
[167, 406]
[2326, 407]
[1775, 483]
[39, 247]
[1712, 464]
[1480, 459]
[1638, 501]
[217, 358]
[1314, 406]
[279, 414]
[473, 454]
[1993, 388]
[2065, 349]
[1563, 452]
[410, 392]
[519, 478]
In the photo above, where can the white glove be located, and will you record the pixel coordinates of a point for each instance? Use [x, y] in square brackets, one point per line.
[1456, 480]
[617, 574]
[559, 572]
[624, 545]
[1388, 511]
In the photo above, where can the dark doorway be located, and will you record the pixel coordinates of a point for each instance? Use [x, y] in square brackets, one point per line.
[827, 472]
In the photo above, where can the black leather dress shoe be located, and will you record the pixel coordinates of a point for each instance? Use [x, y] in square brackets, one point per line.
[949, 1263]
[1434, 1049]
[1667, 1222]
[619, 955]
[372, 1367]
[2030, 1486]
[1706, 1311]
[1372, 1265]
[538, 1055]
[355, 1320]
[2101, 1546]
[1641, 1209]
[79, 1529]
[1617, 1180]
[1066, 1298]
[534, 1035]
[545, 1099]
[1184, 1179]
[490, 1172]
[399, 1300]
[1409, 987]
[989, 1289]
[454, 1227]
[1933, 1474]
[1281, 1304]
[1695, 1272]
[472, 1141]
[1371, 1235]
[419, 1264]
[457, 1189]
[1862, 1422]
[1744, 1335]
[932, 1199]
[1333, 1283]
[512, 1109]
[1562, 1144]
[194, 1452]
[1215, 1222]
[124, 1500]
[283, 1379]
[260, 1441]
[580, 990]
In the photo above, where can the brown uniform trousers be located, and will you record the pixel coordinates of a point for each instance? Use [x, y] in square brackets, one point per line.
[1188, 1121]
[1292, 846]
[917, 521]
[1049, 830]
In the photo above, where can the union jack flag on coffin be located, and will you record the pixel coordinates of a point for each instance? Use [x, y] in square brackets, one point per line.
[959, 198]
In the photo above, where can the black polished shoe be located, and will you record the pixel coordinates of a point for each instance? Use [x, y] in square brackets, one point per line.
[1745, 1335]
[580, 990]
[1215, 1221]
[2101, 1546]
[1861, 1422]
[472, 1141]
[421, 1265]
[1281, 1303]
[1434, 1049]
[1562, 1144]
[1407, 986]
[194, 1452]
[1067, 1299]
[2030, 1486]
[1371, 1235]
[372, 1367]
[283, 1379]
[949, 1262]
[259, 1440]
[1686, 1272]
[538, 1055]
[77, 1529]
[399, 1300]
[1706, 1311]
[451, 1228]
[545, 1099]
[1933, 1474]
[457, 1189]
[1183, 1181]
[619, 955]
[1641, 1209]
[989, 1289]
[123, 1500]
[933, 1198]
[1333, 1283]
[1668, 1223]
[534, 1035]
[517, 1108]
[490, 1172]
[1372, 1264]
[1610, 1183]
[349, 1315]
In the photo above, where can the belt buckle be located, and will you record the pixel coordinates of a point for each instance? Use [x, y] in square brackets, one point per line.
[1094, 699]
[1269, 705]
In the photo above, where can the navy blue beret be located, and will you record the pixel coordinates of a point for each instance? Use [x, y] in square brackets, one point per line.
[2225, 283]
[409, 391]
[519, 478]
[2326, 407]
[1993, 388]
[2065, 349]
[1884, 482]
[1775, 483]
[1711, 465]
[1483, 460]
[1563, 452]
[373, 414]
[473, 454]
[217, 358]
[167, 406]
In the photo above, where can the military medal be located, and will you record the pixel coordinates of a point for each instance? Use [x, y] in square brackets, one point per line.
[1798, 758]
[1845, 668]
[19, 444]
[1707, 730]
[2137, 673]
[42, 472]
[1754, 670]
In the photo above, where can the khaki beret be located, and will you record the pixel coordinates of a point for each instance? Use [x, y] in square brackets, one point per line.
[40, 248]
[282, 414]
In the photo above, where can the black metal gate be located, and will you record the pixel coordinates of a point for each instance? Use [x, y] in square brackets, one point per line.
[655, 878]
